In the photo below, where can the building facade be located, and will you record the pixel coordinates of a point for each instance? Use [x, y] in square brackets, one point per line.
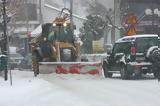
[147, 13]
[24, 21]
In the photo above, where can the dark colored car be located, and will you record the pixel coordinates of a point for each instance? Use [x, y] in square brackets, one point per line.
[128, 56]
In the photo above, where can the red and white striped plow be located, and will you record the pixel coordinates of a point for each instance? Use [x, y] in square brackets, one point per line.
[71, 67]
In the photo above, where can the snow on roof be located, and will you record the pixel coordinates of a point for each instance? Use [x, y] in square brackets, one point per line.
[142, 35]
[132, 38]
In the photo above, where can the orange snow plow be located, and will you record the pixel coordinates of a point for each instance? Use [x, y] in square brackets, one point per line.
[70, 67]
[56, 50]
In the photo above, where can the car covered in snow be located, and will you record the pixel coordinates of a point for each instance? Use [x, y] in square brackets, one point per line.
[128, 56]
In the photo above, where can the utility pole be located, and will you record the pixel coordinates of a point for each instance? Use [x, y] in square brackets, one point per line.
[71, 16]
[113, 28]
[27, 27]
[5, 38]
[117, 15]
[40, 12]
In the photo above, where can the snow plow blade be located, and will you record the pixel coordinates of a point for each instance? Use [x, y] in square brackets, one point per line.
[70, 67]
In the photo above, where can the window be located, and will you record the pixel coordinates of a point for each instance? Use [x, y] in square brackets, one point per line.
[122, 48]
[143, 44]
[60, 33]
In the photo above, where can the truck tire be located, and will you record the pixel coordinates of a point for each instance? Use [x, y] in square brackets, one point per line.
[36, 65]
[154, 57]
[123, 72]
[105, 69]
[156, 72]
[150, 51]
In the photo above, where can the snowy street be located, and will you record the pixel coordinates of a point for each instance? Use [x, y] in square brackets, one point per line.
[116, 39]
[77, 90]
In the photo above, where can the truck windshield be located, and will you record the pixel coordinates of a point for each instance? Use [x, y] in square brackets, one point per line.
[58, 32]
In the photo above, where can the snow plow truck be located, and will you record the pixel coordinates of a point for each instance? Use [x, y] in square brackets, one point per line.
[56, 50]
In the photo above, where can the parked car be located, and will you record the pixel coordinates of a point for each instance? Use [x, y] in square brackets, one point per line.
[15, 60]
[128, 56]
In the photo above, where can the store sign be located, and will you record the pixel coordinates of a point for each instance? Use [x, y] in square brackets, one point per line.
[97, 46]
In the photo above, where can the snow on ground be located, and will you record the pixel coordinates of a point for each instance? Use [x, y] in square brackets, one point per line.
[77, 90]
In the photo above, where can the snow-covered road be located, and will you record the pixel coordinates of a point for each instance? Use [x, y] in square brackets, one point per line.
[77, 90]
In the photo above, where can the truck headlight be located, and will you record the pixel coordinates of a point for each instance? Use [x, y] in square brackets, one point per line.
[54, 24]
[65, 24]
